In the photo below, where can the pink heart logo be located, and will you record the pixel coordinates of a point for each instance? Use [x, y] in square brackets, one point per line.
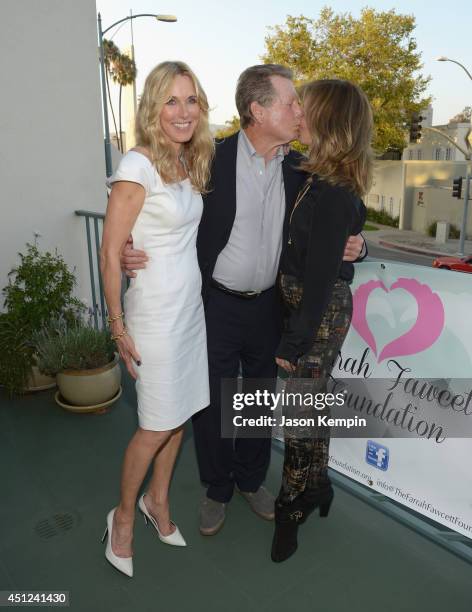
[424, 332]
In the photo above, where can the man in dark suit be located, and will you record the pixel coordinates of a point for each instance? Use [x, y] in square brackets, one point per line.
[255, 181]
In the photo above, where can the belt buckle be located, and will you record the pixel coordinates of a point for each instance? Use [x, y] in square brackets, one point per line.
[253, 293]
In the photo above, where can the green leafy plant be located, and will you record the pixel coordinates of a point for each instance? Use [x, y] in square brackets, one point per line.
[16, 353]
[382, 217]
[454, 232]
[72, 345]
[40, 288]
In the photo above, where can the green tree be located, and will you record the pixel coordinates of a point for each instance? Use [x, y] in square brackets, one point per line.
[232, 127]
[377, 51]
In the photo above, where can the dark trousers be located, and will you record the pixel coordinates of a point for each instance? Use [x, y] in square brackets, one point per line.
[240, 333]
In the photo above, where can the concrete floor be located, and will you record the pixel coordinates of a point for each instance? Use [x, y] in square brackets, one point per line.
[59, 477]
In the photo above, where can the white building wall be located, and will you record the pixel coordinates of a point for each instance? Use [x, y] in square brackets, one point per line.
[386, 192]
[396, 184]
[433, 174]
[52, 154]
[434, 147]
[430, 204]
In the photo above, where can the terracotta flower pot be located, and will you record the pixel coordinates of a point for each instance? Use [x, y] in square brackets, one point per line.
[89, 388]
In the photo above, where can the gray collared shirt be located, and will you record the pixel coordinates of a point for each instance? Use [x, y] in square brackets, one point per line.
[250, 259]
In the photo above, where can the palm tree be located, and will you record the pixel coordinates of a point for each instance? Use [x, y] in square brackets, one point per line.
[126, 75]
[122, 70]
[111, 54]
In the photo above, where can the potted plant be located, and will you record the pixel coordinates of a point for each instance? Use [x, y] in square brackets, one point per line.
[16, 354]
[84, 362]
[38, 289]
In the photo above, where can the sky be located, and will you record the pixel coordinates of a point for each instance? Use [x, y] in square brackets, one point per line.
[219, 39]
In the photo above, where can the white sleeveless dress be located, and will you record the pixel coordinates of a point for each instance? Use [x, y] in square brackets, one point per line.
[163, 305]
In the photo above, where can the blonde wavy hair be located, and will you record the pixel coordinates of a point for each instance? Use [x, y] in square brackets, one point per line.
[339, 118]
[198, 152]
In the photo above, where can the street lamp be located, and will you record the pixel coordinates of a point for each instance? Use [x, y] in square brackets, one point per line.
[468, 177]
[442, 58]
[101, 34]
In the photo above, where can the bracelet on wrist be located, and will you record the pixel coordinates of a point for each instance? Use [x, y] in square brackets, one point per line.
[120, 335]
[116, 317]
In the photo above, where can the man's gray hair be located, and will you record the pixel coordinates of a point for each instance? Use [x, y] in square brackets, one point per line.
[254, 85]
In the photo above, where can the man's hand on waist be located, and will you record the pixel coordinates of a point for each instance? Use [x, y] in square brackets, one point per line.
[354, 248]
[132, 259]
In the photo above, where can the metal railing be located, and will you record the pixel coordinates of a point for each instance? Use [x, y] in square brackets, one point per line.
[93, 247]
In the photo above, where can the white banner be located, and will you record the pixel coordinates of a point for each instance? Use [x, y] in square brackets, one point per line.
[410, 323]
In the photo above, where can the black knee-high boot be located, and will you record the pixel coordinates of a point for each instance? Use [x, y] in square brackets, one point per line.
[321, 498]
[289, 516]
[287, 519]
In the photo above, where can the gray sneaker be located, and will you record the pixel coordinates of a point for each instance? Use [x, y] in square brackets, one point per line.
[212, 516]
[261, 502]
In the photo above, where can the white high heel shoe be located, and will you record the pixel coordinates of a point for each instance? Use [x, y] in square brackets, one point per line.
[175, 538]
[123, 564]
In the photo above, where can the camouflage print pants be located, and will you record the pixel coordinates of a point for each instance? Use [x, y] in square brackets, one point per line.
[307, 452]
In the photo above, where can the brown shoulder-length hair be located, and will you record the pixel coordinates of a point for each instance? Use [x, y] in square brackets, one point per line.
[198, 152]
[338, 116]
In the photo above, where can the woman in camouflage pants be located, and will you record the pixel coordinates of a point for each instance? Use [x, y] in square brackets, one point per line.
[314, 282]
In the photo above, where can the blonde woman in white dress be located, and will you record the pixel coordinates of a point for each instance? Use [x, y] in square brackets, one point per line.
[156, 197]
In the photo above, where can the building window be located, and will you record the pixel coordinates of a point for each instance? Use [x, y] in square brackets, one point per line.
[438, 154]
[448, 153]
[419, 154]
[410, 154]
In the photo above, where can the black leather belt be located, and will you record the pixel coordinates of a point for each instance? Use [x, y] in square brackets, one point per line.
[246, 295]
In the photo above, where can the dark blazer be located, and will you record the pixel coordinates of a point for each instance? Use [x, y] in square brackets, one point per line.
[219, 205]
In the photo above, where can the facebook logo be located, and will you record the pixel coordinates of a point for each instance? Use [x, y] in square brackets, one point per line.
[377, 455]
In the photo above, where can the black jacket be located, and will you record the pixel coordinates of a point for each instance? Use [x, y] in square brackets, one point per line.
[219, 205]
[321, 224]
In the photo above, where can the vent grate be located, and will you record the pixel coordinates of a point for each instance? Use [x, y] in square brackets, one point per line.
[54, 526]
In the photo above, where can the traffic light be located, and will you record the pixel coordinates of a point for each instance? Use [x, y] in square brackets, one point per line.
[457, 187]
[415, 127]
